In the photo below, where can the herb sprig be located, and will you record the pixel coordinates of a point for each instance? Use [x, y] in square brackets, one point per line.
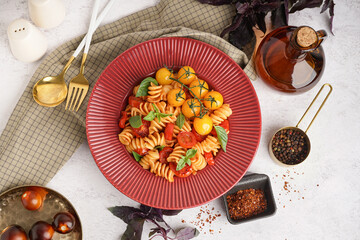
[151, 115]
[186, 159]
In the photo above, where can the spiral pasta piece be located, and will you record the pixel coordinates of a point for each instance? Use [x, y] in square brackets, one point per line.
[175, 111]
[170, 143]
[221, 114]
[210, 144]
[156, 139]
[156, 126]
[198, 162]
[126, 135]
[149, 159]
[186, 128]
[135, 144]
[176, 154]
[154, 93]
[162, 170]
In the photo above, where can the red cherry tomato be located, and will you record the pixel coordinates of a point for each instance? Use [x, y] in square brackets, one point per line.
[123, 119]
[31, 200]
[41, 231]
[169, 131]
[225, 124]
[64, 222]
[13, 232]
[198, 137]
[135, 101]
[143, 130]
[165, 153]
[186, 139]
[209, 158]
[185, 172]
[141, 151]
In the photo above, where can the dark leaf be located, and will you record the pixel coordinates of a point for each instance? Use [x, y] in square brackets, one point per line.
[241, 35]
[325, 6]
[187, 233]
[216, 2]
[124, 213]
[301, 4]
[170, 212]
[133, 230]
[280, 16]
[260, 20]
[237, 21]
[152, 213]
[267, 7]
[329, 4]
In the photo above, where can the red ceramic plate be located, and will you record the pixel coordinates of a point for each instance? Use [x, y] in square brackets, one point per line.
[109, 97]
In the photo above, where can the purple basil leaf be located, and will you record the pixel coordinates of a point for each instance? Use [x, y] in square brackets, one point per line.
[331, 11]
[260, 20]
[235, 24]
[301, 4]
[325, 6]
[241, 35]
[133, 230]
[170, 212]
[280, 16]
[161, 231]
[267, 7]
[216, 2]
[187, 233]
[125, 213]
[152, 213]
[243, 8]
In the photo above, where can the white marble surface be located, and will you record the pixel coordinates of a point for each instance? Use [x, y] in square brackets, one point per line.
[323, 201]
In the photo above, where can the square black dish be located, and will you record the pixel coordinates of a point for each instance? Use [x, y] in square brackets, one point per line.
[255, 181]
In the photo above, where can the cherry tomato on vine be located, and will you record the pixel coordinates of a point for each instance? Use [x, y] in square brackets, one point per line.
[209, 158]
[163, 76]
[135, 101]
[186, 75]
[204, 125]
[213, 100]
[164, 154]
[13, 232]
[143, 130]
[186, 139]
[176, 97]
[169, 129]
[185, 172]
[225, 124]
[32, 200]
[199, 87]
[191, 108]
[198, 137]
[123, 119]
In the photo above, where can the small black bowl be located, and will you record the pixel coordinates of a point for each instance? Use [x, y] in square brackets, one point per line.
[255, 181]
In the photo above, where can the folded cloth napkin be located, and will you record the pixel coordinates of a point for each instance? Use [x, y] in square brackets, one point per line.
[37, 141]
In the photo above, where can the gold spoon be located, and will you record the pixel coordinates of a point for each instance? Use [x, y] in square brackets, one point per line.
[52, 90]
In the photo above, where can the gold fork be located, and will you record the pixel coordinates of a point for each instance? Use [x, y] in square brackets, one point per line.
[79, 85]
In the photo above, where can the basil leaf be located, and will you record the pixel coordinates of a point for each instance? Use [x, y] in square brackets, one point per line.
[136, 156]
[160, 147]
[181, 163]
[165, 115]
[144, 85]
[222, 136]
[180, 120]
[191, 153]
[135, 121]
[155, 108]
[188, 161]
[150, 116]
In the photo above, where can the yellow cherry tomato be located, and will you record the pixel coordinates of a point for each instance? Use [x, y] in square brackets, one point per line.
[191, 108]
[163, 76]
[213, 100]
[186, 75]
[199, 87]
[176, 97]
[204, 125]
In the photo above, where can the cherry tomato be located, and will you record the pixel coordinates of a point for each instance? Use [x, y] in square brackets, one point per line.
[213, 100]
[209, 158]
[123, 119]
[165, 153]
[163, 76]
[191, 108]
[198, 137]
[169, 129]
[176, 97]
[199, 87]
[41, 231]
[13, 232]
[64, 222]
[142, 151]
[185, 172]
[135, 101]
[204, 125]
[31, 200]
[186, 75]
[143, 130]
[186, 139]
[225, 124]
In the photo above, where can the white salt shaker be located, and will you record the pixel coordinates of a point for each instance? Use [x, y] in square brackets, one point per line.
[27, 43]
[46, 13]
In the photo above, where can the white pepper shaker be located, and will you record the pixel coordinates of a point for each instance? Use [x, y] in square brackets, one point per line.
[26, 41]
[46, 13]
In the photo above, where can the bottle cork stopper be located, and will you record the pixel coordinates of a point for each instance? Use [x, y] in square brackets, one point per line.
[306, 37]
